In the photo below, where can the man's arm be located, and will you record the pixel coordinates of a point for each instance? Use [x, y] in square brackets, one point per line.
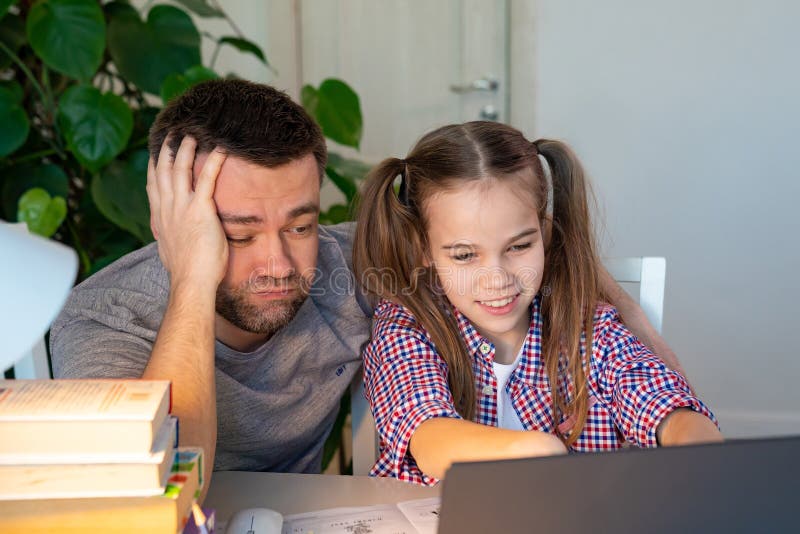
[193, 249]
[634, 318]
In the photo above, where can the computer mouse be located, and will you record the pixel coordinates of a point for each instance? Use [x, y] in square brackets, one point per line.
[255, 521]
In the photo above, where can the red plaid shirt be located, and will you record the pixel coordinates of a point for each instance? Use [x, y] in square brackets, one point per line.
[631, 390]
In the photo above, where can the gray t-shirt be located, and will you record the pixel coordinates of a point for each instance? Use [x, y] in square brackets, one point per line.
[275, 405]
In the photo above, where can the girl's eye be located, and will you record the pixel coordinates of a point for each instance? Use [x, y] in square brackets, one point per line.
[519, 248]
[463, 256]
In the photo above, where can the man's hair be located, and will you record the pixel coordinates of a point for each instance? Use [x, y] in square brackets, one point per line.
[251, 121]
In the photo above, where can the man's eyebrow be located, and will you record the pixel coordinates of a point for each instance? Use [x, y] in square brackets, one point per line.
[233, 218]
[307, 208]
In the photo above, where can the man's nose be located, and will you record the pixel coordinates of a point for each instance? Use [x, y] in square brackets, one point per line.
[276, 258]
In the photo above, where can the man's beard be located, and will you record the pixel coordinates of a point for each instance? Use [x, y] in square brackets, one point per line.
[235, 306]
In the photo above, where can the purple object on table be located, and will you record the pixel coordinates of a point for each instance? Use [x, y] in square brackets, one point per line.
[192, 527]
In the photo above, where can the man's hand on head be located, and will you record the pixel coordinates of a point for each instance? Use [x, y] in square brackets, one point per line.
[191, 242]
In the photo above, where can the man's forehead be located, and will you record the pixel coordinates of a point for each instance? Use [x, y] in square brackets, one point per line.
[246, 193]
[242, 177]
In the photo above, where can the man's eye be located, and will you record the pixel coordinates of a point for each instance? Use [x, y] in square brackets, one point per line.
[239, 240]
[300, 230]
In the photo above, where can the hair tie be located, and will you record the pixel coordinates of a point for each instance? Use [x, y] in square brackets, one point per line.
[402, 194]
[548, 177]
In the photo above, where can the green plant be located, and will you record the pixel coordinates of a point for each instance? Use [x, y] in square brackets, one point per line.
[80, 84]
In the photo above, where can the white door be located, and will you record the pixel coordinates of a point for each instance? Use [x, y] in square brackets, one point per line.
[416, 64]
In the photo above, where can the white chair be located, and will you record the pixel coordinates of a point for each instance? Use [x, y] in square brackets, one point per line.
[34, 364]
[648, 272]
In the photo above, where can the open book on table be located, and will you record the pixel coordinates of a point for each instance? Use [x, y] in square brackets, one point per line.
[420, 516]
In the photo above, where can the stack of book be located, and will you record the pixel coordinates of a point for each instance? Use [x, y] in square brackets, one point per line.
[93, 456]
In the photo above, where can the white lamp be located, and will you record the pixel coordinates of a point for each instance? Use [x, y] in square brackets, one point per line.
[36, 276]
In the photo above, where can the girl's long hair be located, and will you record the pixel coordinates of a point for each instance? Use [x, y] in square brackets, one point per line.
[391, 249]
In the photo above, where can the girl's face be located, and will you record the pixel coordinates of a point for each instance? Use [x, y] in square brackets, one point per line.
[487, 249]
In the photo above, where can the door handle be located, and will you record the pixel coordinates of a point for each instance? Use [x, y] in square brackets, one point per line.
[485, 84]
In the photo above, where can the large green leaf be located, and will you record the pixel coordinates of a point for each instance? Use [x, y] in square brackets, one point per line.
[20, 178]
[243, 45]
[69, 35]
[97, 125]
[344, 184]
[119, 193]
[43, 213]
[352, 168]
[201, 7]
[12, 34]
[336, 108]
[177, 84]
[13, 118]
[146, 53]
[336, 214]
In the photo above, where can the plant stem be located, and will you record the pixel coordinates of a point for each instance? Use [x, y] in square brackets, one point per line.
[36, 155]
[15, 58]
[230, 20]
[44, 96]
[214, 55]
[86, 263]
[50, 105]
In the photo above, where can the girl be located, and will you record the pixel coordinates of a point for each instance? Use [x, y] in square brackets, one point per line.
[491, 339]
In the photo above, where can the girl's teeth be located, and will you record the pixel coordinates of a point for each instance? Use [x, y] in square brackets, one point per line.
[498, 303]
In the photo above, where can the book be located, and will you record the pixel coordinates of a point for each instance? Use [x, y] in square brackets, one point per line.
[163, 514]
[64, 476]
[81, 416]
[420, 516]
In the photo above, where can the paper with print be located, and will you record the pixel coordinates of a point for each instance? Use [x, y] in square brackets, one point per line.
[409, 517]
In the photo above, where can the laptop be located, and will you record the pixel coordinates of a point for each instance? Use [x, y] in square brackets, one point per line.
[736, 486]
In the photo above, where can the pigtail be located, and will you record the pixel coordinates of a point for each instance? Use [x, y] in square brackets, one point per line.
[571, 276]
[389, 249]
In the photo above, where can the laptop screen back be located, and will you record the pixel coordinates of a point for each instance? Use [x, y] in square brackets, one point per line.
[737, 486]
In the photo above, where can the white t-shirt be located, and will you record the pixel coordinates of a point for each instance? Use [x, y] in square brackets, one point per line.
[506, 415]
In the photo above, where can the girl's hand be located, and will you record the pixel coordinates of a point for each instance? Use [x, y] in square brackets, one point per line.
[191, 241]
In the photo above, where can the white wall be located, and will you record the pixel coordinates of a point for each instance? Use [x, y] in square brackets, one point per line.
[686, 115]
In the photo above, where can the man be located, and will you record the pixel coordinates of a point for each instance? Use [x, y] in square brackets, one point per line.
[241, 303]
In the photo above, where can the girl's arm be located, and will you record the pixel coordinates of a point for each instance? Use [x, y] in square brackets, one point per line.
[634, 318]
[684, 426]
[441, 441]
